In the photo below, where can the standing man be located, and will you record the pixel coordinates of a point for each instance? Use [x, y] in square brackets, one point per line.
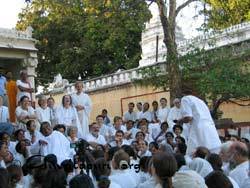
[4, 112]
[130, 114]
[202, 128]
[163, 111]
[11, 90]
[24, 86]
[83, 105]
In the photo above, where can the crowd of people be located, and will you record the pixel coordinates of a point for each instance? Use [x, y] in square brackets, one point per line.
[57, 146]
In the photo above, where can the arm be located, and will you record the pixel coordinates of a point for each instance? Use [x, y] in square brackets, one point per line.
[30, 90]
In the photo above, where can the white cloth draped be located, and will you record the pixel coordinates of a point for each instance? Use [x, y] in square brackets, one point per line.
[201, 166]
[124, 178]
[202, 128]
[240, 173]
[43, 114]
[83, 115]
[58, 145]
[163, 114]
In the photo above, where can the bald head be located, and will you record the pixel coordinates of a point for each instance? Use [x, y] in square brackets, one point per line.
[239, 148]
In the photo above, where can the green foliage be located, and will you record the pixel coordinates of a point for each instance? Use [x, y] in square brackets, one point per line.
[224, 13]
[85, 37]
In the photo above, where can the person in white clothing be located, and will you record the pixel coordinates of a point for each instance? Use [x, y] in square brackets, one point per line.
[239, 156]
[119, 139]
[130, 114]
[139, 109]
[164, 110]
[174, 113]
[43, 111]
[24, 86]
[82, 102]
[201, 166]
[202, 128]
[116, 126]
[66, 114]
[130, 131]
[55, 143]
[72, 134]
[94, 137]
[143, 149]
[121, 173]
[24, 113]
[3, 153]
[52, 107]
[105, 130]
[4, 112]
[146, 114]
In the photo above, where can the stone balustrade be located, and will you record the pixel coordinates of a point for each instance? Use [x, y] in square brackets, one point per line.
[111, 80]
[13, 33]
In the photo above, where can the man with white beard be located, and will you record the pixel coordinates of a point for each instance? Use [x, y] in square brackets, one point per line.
[175, 114]
[163, 111]
[54, 142]
[83, 105]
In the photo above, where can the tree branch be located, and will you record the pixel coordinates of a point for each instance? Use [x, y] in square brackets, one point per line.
[238, 103]
[183, 6]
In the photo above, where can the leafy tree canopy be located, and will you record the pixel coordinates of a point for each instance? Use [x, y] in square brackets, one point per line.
[85, 37]
[224, 13]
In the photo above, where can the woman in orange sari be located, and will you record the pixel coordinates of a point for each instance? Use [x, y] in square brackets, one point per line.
[11, 90]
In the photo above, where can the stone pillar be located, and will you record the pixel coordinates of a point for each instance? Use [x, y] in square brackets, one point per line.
[30, 64]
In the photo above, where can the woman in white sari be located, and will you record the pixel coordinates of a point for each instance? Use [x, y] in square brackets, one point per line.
[66, 114]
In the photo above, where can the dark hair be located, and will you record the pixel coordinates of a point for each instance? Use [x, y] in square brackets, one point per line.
[245, 139]
[59, 126]
[55, 178]
[155, 144]
[4, 178]
[51, 159]
[43, 124]
[23, 97]
[201, 152]
[177, 126]
[139, 133]
[15, 174]
[235, 136]
[51, 98]
[111, 152]
[139, 103]
[164, 99]
[99, 116]
[68, 166]
[180, 159]
[164, 123]
[218, 179]
[101, 171]
[129, 150]
[215, 161]
[63, 98]
[81, 181]
[154, 102]
[169, 133]
[17, 132]
[165, 167]
[97, 154]
[181, 138]
[2, 134]
[182, 147]
[143, 163]
[131, 103]
[29, 122]
[105, 111]
[116, 118]
[119, 131]
[19, 149]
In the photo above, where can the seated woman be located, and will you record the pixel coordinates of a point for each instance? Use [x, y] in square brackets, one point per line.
[24, 113]
[72, 134]
[43, 111]
[22, 151]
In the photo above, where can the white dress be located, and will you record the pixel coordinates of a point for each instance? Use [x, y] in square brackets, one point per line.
[83, 115]
[68, 117]
[202, 128]
[23, 112]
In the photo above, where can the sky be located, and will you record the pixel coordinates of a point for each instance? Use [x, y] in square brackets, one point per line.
[9, 10]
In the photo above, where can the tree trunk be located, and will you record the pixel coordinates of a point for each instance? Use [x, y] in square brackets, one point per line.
[168, 25]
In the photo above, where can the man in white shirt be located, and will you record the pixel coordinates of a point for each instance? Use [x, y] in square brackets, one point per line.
[130, 114]
[239, 156]
[105, 130]
[139, 109]
[164, 110]
[146, 113]
[174, 113]
[24, 86]
[55, 143]
[143, 149]
[94, 137]
[82, 102]
[119, 139]
[117, 126]
[52, 107]
[4, 112]
[3, 153]
[202, 128]
[130, 131]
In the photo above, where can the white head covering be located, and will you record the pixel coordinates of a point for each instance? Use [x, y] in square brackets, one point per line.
[246, 183]
[201, 166]
[188, 179]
